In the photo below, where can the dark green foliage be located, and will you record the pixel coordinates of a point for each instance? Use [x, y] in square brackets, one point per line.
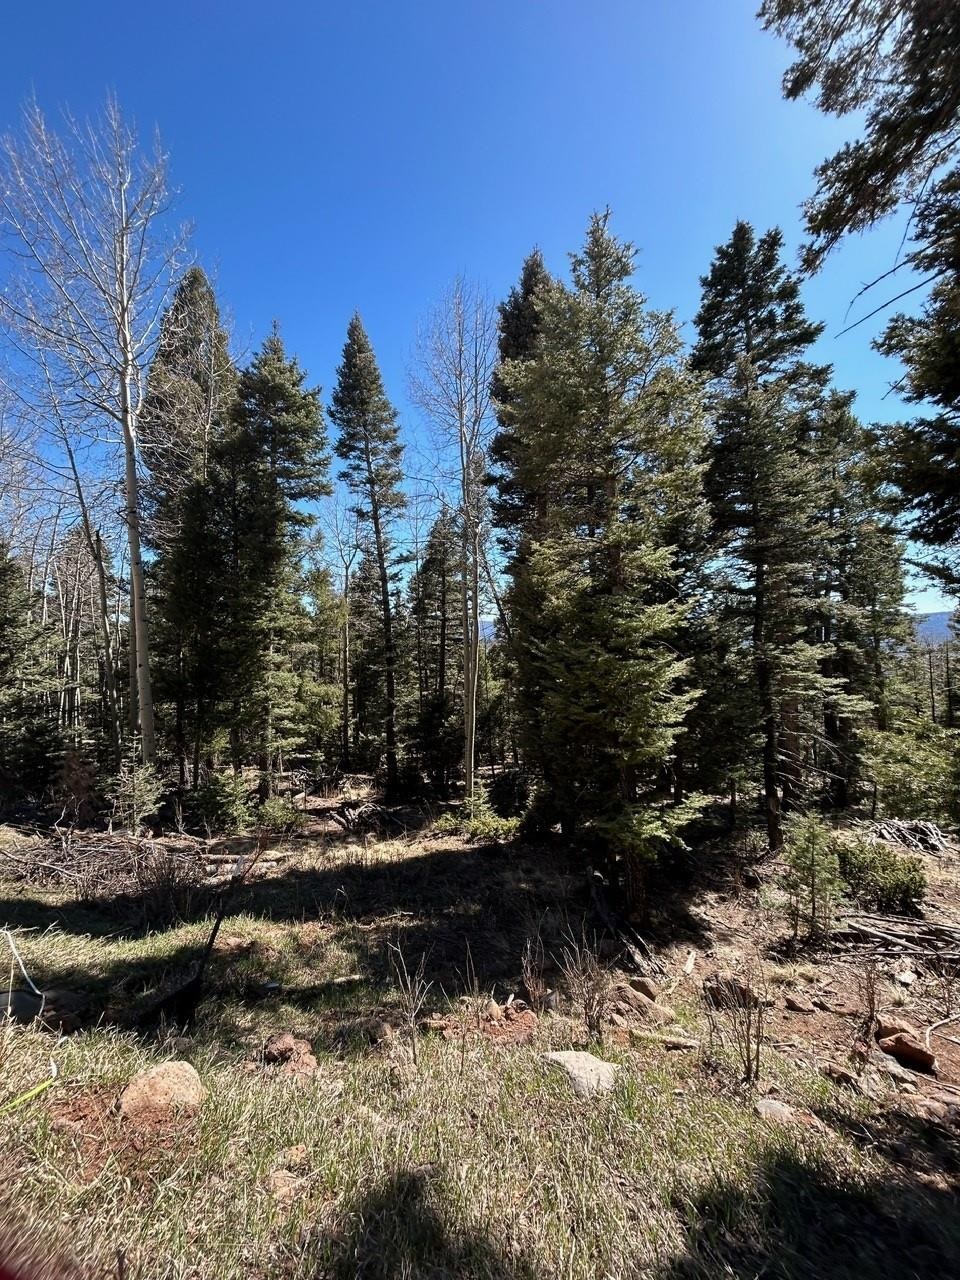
[369, 446]
[812, 877]
[29, 741]
[271, 463]
[898, 61]
[607, 430]
[769, 476]
[190, 393]
[518, 329]
[879, 878]
[437, 625]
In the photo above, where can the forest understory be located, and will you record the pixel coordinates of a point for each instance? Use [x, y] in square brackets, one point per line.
[370, 1040]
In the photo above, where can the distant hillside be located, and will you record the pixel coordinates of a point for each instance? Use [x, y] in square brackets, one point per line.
[933, 628]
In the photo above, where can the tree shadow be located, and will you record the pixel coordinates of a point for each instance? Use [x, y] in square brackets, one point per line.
[398, 1229]
[466, 911]
[797, 1219]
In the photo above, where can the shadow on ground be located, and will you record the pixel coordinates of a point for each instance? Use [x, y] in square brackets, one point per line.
[399, 1229]
[796, 1220]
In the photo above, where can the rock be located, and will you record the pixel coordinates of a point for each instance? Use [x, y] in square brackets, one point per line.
[293, 1157]
[725, 991]
[636, 1002]
[896, 1072]
[774, 1110]
[283, 1185]
[840, 1075]
[906, 978]
[910, 1052]
[648, 987]
[617, 1020]
[587, 1075]
[163, 1091]
[797, 1005]
[887, 1027]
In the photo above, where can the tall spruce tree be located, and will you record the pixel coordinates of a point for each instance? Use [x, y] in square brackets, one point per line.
[607, 431]
[191, 387]
[271, 465]
[764, 486]
[369, 446]
[437, 623]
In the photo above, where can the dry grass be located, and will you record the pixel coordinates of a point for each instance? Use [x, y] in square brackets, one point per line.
[480, 1163]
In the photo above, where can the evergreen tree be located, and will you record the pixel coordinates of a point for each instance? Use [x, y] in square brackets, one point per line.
[272, 463]
[369, 446]
[190, 391]
[518, 329]
[764, 486]
[608, 433]
[28, 737]
[437, 625]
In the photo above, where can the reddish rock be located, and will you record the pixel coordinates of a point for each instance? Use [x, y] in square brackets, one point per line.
[648, 987]
[908, 1050]
[887, 1027]
[797, 1005]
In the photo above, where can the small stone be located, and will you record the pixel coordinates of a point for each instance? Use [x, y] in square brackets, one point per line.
[635, 1001]
[164, 1090]
[797, 1005]
[840, 1075]
[283, 1185]
[646, 986]
[726, 991]
[906, 978]
[588, 1075]
[294, 1157]
[908, 1050]
[774, 1110]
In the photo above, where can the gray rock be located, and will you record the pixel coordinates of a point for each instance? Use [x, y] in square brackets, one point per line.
[587, 1075]
[774, 1110]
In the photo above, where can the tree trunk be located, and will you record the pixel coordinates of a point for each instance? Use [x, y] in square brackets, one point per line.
[389, 657]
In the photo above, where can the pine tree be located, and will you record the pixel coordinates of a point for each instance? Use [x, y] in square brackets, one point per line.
[190, 391]
[272, 463]
[369, 446]
[28, 732]
[607, 435]
[764, 486]
[518, 330]
[437, 624]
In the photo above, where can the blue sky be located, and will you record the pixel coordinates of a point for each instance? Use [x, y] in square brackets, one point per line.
[335, 157]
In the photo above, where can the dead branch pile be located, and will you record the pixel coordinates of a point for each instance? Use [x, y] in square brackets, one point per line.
[912, 834]
[362, 818]
[95, 864]
[900, 936]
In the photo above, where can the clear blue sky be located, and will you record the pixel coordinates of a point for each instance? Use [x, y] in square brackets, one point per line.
[358, 155]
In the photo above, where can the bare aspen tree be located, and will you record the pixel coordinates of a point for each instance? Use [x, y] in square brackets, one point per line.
[456, 356]
[82, 211]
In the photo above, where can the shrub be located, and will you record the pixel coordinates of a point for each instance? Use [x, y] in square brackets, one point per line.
[476, 820]
[135, 794]
[812, 877]
[277, 814]
[880, 878]
[221, 804]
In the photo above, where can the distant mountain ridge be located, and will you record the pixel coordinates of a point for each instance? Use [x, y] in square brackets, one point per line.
[933, 628]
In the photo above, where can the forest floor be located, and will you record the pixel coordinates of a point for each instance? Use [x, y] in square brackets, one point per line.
[355, 1148]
